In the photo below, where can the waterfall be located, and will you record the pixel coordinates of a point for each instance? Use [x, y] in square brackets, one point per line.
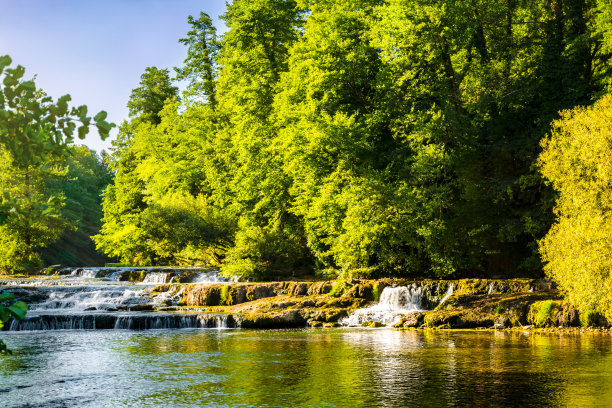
[156, 278]
[80, 298]
[208, 277]
[393, 303]
[85, 273]
[132, 321]
[448, 294]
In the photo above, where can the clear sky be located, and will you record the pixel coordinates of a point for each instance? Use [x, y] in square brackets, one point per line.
[96, 50]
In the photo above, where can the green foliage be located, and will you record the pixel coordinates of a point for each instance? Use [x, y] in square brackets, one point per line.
[86, 177]
[147, 101]
[8, 308]
[355, 138]
[577, 249]
[200, 65]
[498, 310]
[36, 136]
[264, 254]
[34, 219]
[542, 314]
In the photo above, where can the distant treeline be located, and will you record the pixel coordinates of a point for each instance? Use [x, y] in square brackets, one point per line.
[355, 138]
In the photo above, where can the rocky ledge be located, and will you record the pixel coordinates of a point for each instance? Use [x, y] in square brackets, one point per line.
[460, 304]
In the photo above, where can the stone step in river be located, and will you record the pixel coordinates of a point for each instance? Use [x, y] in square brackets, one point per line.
[108, 298]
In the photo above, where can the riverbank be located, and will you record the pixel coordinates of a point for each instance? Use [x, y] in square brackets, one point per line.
[448, 304]
[132, 298]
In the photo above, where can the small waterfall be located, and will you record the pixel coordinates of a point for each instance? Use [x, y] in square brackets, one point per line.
[208, 277]
[85, 273]
[114, 276]
[132, 321]
[491, 288]
[79, 298]
[448, 294]
[155, 278]
[393, 303]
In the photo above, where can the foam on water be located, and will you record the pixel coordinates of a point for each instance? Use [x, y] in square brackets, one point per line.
[208, 277]
[156, 278]
[394, 302]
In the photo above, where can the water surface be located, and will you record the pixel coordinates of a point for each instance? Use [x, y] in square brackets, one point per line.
[305, 368]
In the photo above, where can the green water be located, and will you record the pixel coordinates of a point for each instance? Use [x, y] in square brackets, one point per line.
[304, 368]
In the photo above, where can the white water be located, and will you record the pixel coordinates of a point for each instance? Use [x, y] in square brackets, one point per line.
[208, 277]
[85, 273]
[78, 298]
[155, 278]
[393, 303]
[448, 294]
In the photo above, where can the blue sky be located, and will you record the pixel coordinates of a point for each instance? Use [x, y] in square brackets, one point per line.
[96, 50]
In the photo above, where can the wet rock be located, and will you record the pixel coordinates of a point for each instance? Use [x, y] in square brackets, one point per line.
[320, 288]
[315, 323]
[413, 319]
[501, 322]
[87, 309]
[307, 303]
[372, 324]
[288, 318]
[141, 308]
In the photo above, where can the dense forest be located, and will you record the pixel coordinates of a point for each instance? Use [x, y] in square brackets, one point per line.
[354, 138]
[338, 138]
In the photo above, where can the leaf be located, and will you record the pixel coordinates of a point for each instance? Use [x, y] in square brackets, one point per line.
[100, 116]
[5, 61]
[4, 314]
[18, 310]
[28, 86]
[6, 296]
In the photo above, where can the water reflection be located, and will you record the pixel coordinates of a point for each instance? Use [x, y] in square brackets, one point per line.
[336, 368]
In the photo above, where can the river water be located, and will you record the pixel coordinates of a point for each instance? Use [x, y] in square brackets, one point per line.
[344, 367]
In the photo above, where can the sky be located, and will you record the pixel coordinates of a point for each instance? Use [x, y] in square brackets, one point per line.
[96, 50]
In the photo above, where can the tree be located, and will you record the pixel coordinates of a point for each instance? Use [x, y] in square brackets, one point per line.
[200, 66]
[147, 100]
[36, 136]
[577, 250]
[253, 185]
[87, 175]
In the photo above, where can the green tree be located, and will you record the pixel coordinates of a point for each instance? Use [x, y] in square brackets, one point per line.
[253, 185]
[577, 250]
[200, 67]
[36, 136]
[86, 177]
[148, 99]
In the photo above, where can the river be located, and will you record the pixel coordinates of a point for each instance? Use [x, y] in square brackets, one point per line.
[195, 360]
[342, 367]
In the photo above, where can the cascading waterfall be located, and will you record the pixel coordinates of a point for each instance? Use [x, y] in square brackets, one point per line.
[80, 298]
[394, 302]
[133, 321]
[155, 278]
[85, 273]
[208, 277]
[102, 298]
[448, 294]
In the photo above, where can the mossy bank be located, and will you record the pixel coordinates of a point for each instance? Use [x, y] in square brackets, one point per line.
[455, 304]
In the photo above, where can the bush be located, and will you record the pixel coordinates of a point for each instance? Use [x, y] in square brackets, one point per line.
[264, 253]
[577, 250]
